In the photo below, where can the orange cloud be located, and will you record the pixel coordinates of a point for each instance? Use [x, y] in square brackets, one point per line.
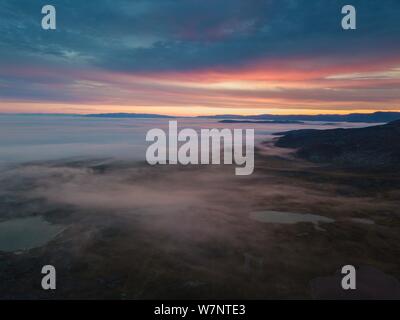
[277, 86]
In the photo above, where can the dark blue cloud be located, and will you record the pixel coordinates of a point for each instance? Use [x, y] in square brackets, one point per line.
[142, 36]
[187, 34]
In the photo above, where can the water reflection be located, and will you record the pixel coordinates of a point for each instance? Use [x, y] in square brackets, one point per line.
[26, 233]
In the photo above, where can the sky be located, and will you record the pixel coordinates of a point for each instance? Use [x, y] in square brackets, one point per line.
[198, 57]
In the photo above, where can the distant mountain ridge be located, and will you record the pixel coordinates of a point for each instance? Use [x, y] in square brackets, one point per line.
[376, 117]
[127, 115]
[376, 147]
[262, 121]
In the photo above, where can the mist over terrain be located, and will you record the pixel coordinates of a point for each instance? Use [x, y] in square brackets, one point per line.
[26, 138]
[83, 83]
[124, 229]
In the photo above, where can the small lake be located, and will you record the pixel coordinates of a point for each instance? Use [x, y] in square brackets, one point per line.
[268, 216]
[363, 221]
[26, 233]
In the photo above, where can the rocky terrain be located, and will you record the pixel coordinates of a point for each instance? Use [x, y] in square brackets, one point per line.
[371, 148]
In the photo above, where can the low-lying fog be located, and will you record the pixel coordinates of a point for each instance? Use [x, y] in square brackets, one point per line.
[25, 138]
[173, 231]
[99, 165]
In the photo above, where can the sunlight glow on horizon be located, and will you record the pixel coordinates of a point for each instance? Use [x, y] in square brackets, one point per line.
[285, 88]
[33, 108]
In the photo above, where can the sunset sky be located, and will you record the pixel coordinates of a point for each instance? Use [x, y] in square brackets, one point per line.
[197, 57]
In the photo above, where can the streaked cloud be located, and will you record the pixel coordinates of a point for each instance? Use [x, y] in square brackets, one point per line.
[171, 54]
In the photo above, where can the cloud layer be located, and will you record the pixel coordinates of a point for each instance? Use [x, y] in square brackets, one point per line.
[206, 55]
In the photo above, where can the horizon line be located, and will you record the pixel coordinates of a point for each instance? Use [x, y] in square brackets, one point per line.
[193, 116]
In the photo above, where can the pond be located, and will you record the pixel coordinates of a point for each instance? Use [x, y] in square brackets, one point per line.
[268, 216]
[26, 233]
